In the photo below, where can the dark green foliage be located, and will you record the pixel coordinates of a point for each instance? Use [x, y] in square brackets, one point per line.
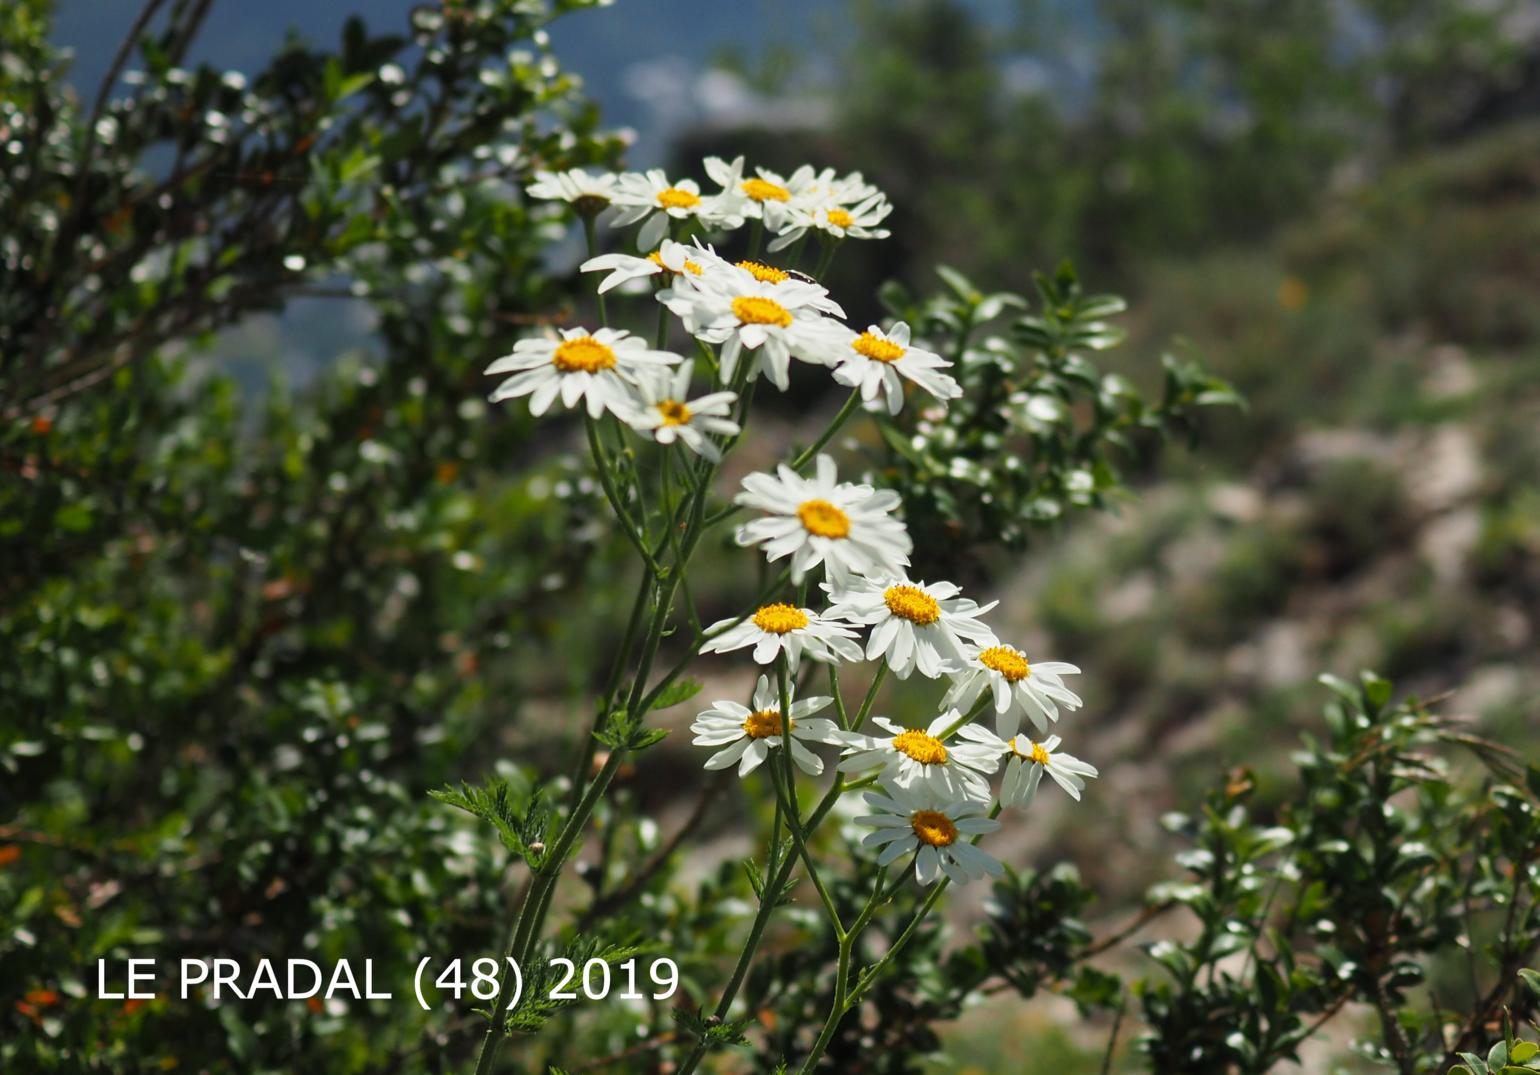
[1037, 432]
[242, 634]
[1383, 863]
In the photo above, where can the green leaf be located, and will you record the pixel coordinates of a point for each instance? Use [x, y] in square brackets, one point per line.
[1376, 690]
[240, 1038]
[519, 821]
[960, 284]
[76, 518]
[1524, 1050]
[681, 690]
[647, 737]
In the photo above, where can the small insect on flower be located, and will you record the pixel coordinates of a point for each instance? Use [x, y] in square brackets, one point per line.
[848, 528]
[780, 628]
[670, 259]
[915, 625]
[875, 361]
[750, 734]
[921, 758]
[661, 409]
[1018, 686]
[651, 197]
[1028, 762]
[597, 368]
[587, 193]
[935, 830]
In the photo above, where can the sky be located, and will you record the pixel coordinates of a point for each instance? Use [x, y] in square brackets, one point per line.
[645, 61]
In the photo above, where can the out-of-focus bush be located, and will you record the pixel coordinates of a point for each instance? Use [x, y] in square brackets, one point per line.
[239, 637]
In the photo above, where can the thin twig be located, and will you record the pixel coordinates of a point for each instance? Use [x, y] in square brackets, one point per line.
[612, 901]
[1139, 921]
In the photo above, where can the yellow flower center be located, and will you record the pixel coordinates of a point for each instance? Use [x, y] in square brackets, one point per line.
[754, 310]
[656, 257]
[674, 198]
[933, 828]
[912, 604]
[779, 618]
[764, 724]
[763, 191]
[823, 519]
[1037, 753]
[877, 348]
[1010, 664]
[840, 219]
[921, 746]
[765, 274]
[674, 412]
[584, 353]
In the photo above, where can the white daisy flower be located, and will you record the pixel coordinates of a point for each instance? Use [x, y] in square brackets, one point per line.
[848, 528]
[595, 367]
[844, 190]
[775, 318]
[650, 196]
[589, 194]
[838, 221]
[671, 258]
[874, 361]
[763, 196]
[917, 758]
[661, 410]
[915, 625]
[749, 735]
[1019, 686]
[781, 628]
[936, 832]
[1028, 761]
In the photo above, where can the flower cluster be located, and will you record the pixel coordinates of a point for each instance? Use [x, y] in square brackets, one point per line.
[936, 776]
[931, 792]
[760, 315]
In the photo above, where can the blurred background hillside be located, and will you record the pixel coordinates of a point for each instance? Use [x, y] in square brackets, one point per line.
[1335, 204]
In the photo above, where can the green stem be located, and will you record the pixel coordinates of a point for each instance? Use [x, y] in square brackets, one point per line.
[837, 1009]
[823, 438]
[607, 481]
[787, 787]
[538, 901]
[775, 881]
[839, 699]
[612, 683]
[592, 241]
[830, 248]
[805, 456]
[845, 999]
[967, 718]
[870, 699]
